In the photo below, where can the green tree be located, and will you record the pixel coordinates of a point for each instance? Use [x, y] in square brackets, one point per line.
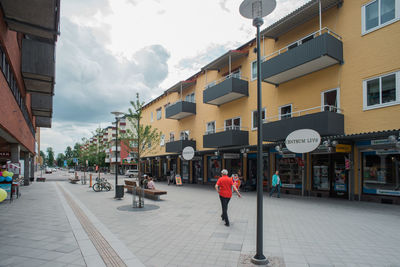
[68, 153]
[43, 157]
[142, 139]
[50, 157]
[60, 159]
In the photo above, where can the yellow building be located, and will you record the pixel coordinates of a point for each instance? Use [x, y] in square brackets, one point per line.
[331, 66]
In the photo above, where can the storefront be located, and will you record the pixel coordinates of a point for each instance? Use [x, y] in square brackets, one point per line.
[197, 170]
[185, 170]
[290, 168]
[380, 171]
[251, 182]
[214, 167]
[233, 163]
[330, 174]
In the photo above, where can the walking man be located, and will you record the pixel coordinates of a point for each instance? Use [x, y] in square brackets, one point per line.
[224, 187]
[276, 184]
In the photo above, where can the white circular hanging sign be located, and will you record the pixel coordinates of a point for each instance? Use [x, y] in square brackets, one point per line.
[303, 141]
[188, 153]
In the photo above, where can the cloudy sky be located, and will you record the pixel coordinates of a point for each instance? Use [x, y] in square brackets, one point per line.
[110, 49]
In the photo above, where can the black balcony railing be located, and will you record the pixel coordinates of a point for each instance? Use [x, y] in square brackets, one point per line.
[226, 90]
[226, 137]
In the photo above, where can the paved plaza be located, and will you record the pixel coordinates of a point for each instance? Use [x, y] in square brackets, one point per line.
[56, 223]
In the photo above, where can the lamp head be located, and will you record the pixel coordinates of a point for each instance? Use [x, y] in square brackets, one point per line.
[253, 9]
[117, 113]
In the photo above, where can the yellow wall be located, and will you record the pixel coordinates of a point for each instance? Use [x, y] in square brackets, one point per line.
[364, 57]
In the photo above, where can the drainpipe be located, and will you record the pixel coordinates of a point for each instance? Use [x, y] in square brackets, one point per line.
[320, 17]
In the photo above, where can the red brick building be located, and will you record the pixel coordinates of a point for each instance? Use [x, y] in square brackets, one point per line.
[28, 33]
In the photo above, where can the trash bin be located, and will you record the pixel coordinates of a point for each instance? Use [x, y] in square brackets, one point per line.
[119, 191]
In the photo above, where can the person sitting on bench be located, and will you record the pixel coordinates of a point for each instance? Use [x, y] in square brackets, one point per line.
[150, 184]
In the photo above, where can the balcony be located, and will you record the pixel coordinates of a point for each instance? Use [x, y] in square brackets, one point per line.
[326, 123]
[42, 104]
[43, 122]
[226, 90]
[179, 145]
[38, 66]
[313, 52]
[226, 137]
[180, 110]
[38, 18]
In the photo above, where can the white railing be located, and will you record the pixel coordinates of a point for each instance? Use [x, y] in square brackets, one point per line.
[314, 34]
[231, 75]
[227, 128]
[304, 112]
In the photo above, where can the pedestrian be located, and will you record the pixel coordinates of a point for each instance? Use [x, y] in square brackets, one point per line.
[171, 177]
[150, 184]
[236, 181]
[276, 184]
[224, 187]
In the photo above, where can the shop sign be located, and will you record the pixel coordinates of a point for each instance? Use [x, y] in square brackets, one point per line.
[5, 154]
[387, 192]
[188, 153]
[288, 155]
[231, 156]
[196, 158]
[387, 152]
[289, 185]
[380, 142]
[342, 148]
[303, 141]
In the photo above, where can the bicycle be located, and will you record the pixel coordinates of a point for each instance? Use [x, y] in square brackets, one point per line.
[101, 184]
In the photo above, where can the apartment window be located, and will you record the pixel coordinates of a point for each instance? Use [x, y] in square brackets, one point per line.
[210, 127]
[379, 13]
[285, 112]
[158, 114]
[184, 135]
[232, 124]
[254, 70]
[167, 105]
[162, 140]
[330, 100]
[254, 118]
[382, 91]
[171, 136]
[151, 116]
[190, 98]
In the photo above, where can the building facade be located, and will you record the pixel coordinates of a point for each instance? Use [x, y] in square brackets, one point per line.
[332, 67]
[27, 55]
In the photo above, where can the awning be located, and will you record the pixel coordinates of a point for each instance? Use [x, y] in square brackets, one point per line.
[298, 17]
[223, 60]
[182, 84]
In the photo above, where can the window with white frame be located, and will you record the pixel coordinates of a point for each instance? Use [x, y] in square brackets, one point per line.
[232, 124]
[379, 13]
[171, 136]
[210, 127]
[151, 116]
[330, 100]
[254, 70]
[162, 140]
[184, 135]
[190, 98]
[158, 114]
[382, 91]
[254, 118]
[285, 111]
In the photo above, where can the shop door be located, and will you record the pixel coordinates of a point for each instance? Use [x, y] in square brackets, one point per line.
[330, 174]
[185, 171]
[251, 182]
[339, 176]
[197, 172]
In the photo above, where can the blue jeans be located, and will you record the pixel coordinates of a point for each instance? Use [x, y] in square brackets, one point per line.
[277, 187]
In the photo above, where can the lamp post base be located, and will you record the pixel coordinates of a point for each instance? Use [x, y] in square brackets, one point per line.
[257, 261]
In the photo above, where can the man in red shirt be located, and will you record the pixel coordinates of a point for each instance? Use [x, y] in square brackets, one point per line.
[224, 187]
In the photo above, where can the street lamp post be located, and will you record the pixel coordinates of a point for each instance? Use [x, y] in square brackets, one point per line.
[116, 114]
[256, 10]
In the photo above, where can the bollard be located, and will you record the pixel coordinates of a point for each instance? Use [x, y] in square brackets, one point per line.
[90, 184]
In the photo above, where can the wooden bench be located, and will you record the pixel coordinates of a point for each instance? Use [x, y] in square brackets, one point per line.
[129, 186]
[74, 180]
[154, 194]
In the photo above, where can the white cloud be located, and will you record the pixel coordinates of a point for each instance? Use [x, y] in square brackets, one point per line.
[110, 49]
